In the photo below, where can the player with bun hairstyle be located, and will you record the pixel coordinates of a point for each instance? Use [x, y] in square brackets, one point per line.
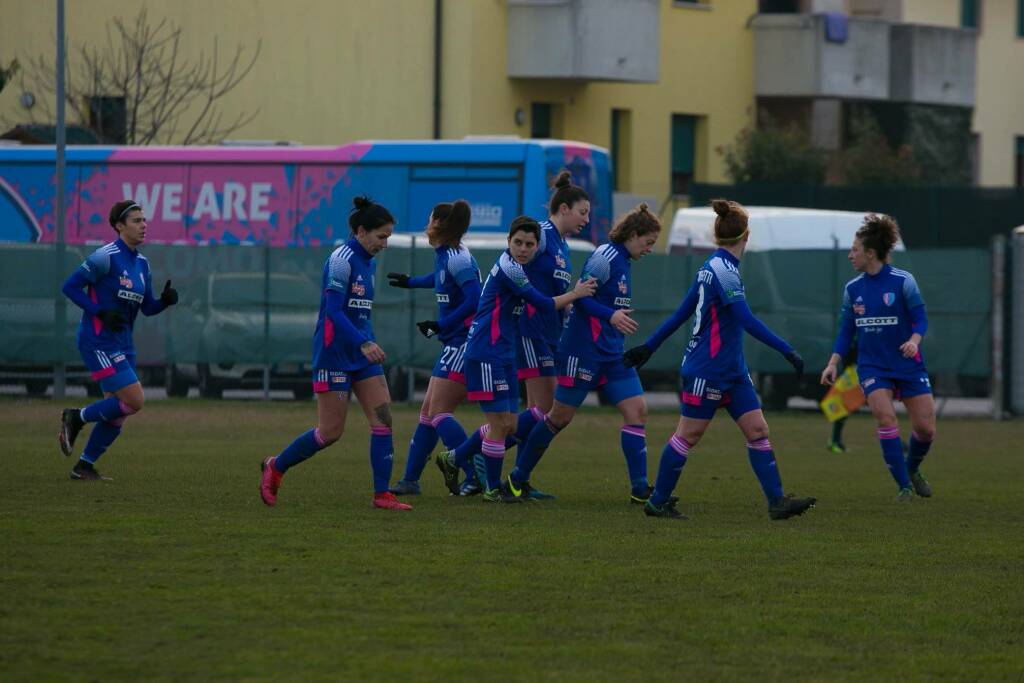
[490, 358]
[456, 283]
[346, 358]
[590, 355]
[118, 285]
[714, 372]
[883, 308]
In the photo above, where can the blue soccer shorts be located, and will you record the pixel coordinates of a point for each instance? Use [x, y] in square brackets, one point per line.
[451, 363]
[333, 379]
[578, 376]
[699, 398]
[493, 385]
[113, 369]
[906, 386]
[534, 358]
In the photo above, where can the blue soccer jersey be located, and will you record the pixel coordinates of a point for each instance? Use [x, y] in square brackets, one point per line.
[346, 302]
[493, 333]
[453, 269]
[550, 274]
[116, 278]
[589, 334]
[882, 311]
[715, 351]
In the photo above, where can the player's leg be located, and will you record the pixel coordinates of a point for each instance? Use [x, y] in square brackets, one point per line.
[623, 390]
[371, 390]
[835, 444]
[422, 444]
[661, 502]
[123, 396]
[332, 401]
[921, 408]
[880, 400]
[762, 461]
[448, 395]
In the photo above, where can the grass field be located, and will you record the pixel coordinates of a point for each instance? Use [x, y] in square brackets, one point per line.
[176, 571]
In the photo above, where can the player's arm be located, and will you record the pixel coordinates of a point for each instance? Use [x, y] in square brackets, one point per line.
[73, 290]
[685, 311]
[844, 339]
[759, 331]
[583, 288]
[598, 270]
[336, 296]
[152, 305]
[471, 299]
[403, 281]
[918, 317]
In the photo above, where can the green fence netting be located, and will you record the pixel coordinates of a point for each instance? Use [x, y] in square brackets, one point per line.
[258, 305]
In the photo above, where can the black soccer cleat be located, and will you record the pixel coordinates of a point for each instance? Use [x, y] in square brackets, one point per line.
[666, 510]
[84, 471]
[449, 470]
[921, 485]
[70, 425]
[789, 506]
[644, 496]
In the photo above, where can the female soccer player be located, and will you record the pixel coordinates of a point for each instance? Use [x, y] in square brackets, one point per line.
[883, 307]
[590, 355]
[119, 285]
[714, 372]
[456, 283]
[490, 353]
[346, 358]
[550, 273]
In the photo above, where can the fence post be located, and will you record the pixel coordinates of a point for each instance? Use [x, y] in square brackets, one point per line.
[266, 320]
[998, 388]
[410, 380]
[60, 303]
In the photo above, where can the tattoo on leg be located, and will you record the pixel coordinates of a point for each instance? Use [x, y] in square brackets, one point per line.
[383, 413]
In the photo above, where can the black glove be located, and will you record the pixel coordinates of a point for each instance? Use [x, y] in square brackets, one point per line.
[428, 328]
[169, 296]
[797, 361]
[111, 319]
[398, 280]
[637, 356]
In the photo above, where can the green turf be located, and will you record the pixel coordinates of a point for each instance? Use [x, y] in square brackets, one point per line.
[176, 571]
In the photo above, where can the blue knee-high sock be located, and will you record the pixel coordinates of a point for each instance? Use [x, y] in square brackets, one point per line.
[382, 457]
[464, 452]
[533, 450]
[673, 458]
[634, 446]
[918, 449]
[424, 439]
[453, 435]
[762, 461]
[494, 454]
[301, 449]
[892, 452]
[105, 410]
[103, 434]
[525, 423]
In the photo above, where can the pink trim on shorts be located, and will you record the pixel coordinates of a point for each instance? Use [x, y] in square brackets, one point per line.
[689, 399]
[104, 373]
[459, 377]
[480, 396]
[320, 387]
[564, 381]
[528, 373]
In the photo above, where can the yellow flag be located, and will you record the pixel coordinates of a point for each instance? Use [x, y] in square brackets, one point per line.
[844, 397]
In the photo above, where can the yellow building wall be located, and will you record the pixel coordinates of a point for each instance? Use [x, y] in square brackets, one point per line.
[999, 114]
[328, 72]
[934, 12]
[705, 69]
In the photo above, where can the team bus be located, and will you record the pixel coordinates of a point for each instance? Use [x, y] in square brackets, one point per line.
[290, 195]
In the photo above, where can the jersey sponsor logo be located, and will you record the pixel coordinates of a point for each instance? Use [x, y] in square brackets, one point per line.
[889, 298]
[733, 293]
[130, 296]
[117, 358]
[518, 310]
[712, 394]
[623, 287]
[859, 309]
[563, 276]
[868, 382]
[126, 281]
[442, 298]
[360, 303]
[623, 301]
[877, 321]
[359, 289]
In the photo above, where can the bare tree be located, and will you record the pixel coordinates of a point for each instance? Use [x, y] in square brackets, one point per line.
[160, 92]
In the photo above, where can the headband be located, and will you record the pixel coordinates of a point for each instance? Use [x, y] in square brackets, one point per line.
[733, 240]
[130, 207]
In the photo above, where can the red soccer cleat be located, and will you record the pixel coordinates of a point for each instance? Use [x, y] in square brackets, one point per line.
[387, 501]
[270, 482]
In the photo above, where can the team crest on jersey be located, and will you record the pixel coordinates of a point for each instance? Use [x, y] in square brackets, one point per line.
[126, 281]
[889, 298]
[560, 261]
[359, 289]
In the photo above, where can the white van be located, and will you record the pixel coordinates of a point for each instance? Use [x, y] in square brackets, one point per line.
[771, 227]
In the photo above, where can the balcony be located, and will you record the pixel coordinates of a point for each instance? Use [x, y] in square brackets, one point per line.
[794, 59]
[595, 40]
[932, 64]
